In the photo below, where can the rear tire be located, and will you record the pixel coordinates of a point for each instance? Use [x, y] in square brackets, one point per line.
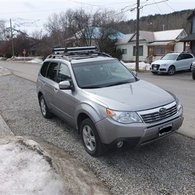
[190, 68]
[193, 74]
[90, 138]
[44, 109]
[171, 70]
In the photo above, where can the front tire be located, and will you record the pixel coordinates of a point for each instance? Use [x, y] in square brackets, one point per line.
[44, 109]
[171, 70]
[90, 138]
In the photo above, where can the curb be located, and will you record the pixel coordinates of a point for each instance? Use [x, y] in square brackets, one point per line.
[4, 129]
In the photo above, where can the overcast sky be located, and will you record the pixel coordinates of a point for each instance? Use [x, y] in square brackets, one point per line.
[33, 14]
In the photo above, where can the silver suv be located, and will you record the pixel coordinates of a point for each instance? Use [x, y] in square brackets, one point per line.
[104, 101]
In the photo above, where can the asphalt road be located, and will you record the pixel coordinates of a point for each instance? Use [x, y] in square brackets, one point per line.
[164, 167]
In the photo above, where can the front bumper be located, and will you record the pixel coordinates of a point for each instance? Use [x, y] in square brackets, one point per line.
[111, 131]
[157, 68]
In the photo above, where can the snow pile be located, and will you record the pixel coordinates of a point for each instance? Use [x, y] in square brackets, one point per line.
[36, 60]
[26, 169]
[142, 65]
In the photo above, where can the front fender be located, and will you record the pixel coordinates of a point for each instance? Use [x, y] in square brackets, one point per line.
[94, 112]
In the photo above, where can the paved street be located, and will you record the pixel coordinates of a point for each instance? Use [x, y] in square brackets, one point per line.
[183, 87]
[165, 167]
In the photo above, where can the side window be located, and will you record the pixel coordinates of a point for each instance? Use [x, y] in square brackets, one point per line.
[63, 73]
[52, 71]
[181, 57]
[44, 68]
[187, 56]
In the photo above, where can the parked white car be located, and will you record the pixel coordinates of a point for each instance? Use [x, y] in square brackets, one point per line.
[173, 62]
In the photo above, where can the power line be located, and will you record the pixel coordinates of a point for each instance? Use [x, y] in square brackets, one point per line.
[170, 6]
[153, 3]
[158, 7]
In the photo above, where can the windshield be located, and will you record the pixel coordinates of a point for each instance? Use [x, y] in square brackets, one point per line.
[170, 57]
[101, 74]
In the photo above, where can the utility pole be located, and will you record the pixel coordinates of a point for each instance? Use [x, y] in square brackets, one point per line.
[137, 36]
[12, 40]
[163, 27]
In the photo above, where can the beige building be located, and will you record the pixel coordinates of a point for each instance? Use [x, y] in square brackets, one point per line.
[152, 45]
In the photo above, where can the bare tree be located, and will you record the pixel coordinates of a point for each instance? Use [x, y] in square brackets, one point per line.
[2, 30]
[80, 28]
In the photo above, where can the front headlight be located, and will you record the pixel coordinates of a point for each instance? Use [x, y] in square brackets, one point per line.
[124, 117]
[179, 107]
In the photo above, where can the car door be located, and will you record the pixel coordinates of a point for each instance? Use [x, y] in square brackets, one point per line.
[188, 61]
[180, 62]
[50, 83]
[65, 100]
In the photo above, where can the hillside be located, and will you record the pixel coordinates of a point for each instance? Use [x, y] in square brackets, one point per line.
[175, 20]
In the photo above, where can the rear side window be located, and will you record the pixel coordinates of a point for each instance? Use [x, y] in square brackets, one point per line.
[187, 56]
[184, 56]
[52, 71]
[44, 68]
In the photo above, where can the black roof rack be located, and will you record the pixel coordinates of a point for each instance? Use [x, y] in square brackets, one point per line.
[68, 50]
[77, 52]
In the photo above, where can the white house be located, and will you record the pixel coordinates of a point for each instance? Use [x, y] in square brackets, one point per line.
[152, 45]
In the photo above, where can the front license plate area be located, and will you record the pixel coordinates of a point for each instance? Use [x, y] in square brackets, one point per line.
[165, 129]
[154, 68]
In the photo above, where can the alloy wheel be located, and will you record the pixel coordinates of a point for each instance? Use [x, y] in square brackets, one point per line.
[89, 138]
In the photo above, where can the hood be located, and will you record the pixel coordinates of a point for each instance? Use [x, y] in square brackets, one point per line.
[163, 62]
[136, 96]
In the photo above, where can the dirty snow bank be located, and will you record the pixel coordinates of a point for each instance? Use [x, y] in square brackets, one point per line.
[36, 60]
[26, 169]
[142, 65]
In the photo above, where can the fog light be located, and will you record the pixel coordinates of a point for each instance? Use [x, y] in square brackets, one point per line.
[119, 144]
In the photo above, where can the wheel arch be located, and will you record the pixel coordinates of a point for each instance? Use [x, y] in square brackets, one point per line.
[86, 111]
[39, 94]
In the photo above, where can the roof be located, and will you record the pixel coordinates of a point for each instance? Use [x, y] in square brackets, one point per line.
[125, 39]
[191, 37]
[145, 35]
[157, 37]
[155, 43]
[167, 35]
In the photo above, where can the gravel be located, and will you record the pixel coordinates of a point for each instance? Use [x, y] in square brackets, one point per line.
[164, 167]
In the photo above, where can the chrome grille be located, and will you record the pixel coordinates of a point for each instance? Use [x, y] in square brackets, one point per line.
[159, 114]
[155, 66]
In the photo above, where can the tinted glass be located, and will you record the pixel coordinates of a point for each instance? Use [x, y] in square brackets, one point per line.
[101, 74]
[44, 68]
[63, 73]
[187, 56]
[52, 71]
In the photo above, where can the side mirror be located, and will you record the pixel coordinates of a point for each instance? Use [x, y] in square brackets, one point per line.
[64, 85]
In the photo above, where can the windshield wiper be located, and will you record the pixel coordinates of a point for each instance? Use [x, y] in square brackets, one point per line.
[90, 87]
[118, 83]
